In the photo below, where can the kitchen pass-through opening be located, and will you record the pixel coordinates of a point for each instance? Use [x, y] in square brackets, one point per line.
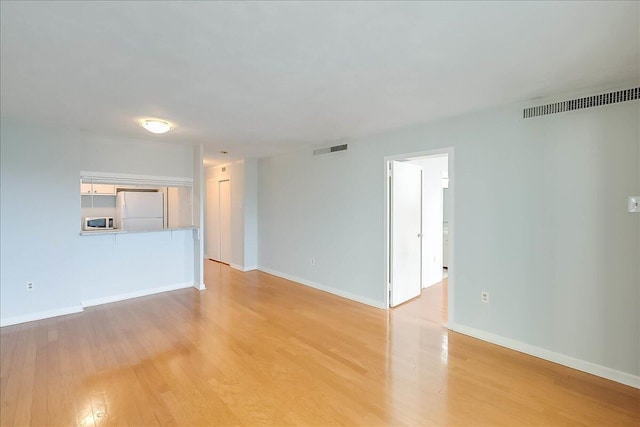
[134, 203]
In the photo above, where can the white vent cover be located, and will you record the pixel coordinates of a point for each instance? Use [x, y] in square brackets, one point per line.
[579, 103]
[328, 150]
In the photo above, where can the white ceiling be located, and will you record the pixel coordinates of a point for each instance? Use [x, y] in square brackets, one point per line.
[257, 78]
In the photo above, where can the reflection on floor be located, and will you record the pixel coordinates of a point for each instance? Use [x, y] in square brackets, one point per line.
[254, 349]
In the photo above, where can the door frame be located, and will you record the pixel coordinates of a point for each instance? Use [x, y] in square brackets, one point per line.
[449, 151]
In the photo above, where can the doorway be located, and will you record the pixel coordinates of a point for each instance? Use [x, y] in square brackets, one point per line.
[219, 220]
[419, 227]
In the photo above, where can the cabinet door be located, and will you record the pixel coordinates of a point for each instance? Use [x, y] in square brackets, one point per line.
[85, 188]
[107, 189]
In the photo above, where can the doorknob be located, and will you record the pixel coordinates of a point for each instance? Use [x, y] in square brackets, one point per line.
[419, 234]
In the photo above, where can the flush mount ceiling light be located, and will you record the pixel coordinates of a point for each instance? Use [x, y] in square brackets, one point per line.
[156, 126]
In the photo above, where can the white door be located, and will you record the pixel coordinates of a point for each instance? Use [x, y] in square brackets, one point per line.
[218, 220]
[405, 228]
[224, 193]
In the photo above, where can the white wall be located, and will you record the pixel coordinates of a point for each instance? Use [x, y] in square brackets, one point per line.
[123, 264]
[237, 214]
[242, 175]
[433, 168]
[181, 209]
[250, 214]
[39, 236]
[540, 216]
[198, 216]
[97, 206]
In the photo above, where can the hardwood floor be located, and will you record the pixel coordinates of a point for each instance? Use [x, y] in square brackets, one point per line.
[254, 349]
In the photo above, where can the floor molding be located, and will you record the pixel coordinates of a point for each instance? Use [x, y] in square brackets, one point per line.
[136, 294]
[40, 315]
[561, 359]
[93, 302]
[243, 269]
[236, 267]
[334, 291]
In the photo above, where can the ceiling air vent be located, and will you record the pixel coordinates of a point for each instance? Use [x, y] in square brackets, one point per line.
[328, 150]
[579, 103]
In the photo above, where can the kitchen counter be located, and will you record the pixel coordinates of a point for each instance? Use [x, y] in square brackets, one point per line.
[119, 231]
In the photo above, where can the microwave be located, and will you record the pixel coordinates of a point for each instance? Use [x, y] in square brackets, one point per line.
[98, 223]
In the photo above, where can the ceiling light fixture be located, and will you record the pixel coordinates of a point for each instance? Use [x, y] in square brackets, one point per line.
[156, 126]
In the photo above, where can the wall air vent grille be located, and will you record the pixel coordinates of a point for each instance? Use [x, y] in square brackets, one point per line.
[328, 150]
[579, 103]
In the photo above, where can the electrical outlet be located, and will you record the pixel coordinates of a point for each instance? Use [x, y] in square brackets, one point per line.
[484, 297]
[29, 286]
[313, 261]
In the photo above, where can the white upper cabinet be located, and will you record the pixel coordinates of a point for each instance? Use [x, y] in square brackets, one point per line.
[97, 189]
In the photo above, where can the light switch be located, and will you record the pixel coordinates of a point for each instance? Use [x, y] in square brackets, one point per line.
[634, 204]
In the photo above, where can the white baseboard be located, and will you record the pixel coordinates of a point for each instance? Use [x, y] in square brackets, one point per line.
[241, 268]
[137, 294]
[334, 291]
[200, 287]
[93, 302]
[41, 315]
[581, 365]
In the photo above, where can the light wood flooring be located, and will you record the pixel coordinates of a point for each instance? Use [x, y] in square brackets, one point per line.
[254, 349]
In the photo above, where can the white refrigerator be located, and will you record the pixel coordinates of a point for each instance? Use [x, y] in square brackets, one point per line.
[139, 211]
